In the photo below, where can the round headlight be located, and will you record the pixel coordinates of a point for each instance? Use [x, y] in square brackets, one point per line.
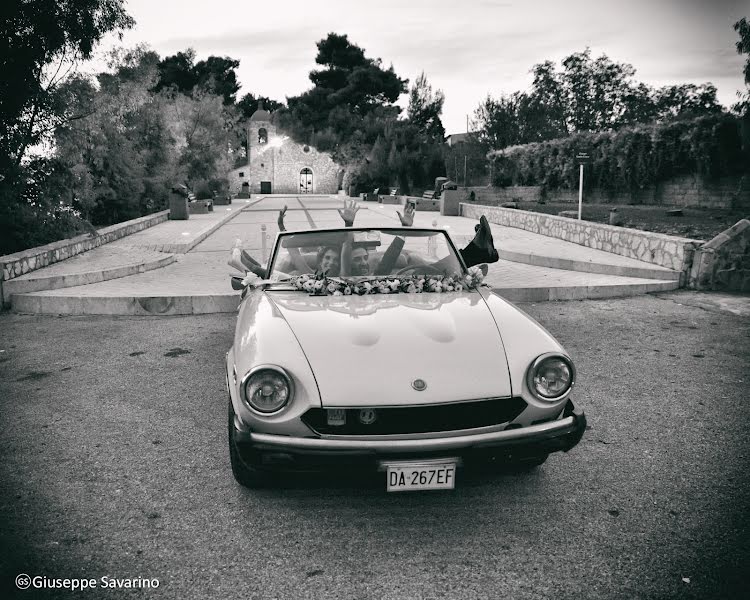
[551, 377]
[267, 390]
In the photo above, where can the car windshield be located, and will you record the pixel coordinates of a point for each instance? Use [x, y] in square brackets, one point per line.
[365, 252]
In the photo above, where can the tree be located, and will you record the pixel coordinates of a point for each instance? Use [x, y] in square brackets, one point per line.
[542, 112]
[216, 75]
[425, 107]
[202, 131]
[177, 72]
[742, 27]
[40, 44]
[106, 152]
[686, 101]
[595, 91]
[248, 104]
[349, 80]
[588, 95]
[136, 143]
[496, 121]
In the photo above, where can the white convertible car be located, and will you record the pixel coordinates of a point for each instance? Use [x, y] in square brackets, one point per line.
[396, 359]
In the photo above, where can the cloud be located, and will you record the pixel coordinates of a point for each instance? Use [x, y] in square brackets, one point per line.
[276, 45]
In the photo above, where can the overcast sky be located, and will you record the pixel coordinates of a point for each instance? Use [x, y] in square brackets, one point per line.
[467, 48]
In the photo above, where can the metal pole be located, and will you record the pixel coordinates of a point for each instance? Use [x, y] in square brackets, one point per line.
[465, 171]
[580, 193]
[263, 244]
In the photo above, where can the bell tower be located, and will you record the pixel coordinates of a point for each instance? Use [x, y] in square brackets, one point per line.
[261, 150]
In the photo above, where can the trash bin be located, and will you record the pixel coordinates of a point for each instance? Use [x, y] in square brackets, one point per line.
[439, 181]
[614, 217]
[178, 207]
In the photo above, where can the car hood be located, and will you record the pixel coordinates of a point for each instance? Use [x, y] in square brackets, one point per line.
[369, 350]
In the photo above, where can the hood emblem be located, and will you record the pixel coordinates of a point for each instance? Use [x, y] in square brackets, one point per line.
[419, 385]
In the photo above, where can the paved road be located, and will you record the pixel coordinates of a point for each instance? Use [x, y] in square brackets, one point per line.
[112, 433]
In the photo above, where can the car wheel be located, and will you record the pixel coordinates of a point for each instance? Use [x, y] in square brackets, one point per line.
[244, 475]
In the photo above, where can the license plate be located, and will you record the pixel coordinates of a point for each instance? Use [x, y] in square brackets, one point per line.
[409, 476]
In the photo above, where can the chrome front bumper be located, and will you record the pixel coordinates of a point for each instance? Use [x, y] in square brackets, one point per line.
[562, 434]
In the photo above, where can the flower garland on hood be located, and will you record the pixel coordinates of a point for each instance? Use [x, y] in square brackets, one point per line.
[319, 284]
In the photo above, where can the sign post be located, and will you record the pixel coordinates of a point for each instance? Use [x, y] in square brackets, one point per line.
[582, 158]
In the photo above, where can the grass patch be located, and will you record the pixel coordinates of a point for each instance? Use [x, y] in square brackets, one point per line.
[695, 223]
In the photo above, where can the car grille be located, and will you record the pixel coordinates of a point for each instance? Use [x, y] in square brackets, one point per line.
[394, 420]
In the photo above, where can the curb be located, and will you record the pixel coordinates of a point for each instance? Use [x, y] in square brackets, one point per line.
[227, 303]
[54, 282]
[202, 235]
[567, 264]
[596, 292]
[126, 305]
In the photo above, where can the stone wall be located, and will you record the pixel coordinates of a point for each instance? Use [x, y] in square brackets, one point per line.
[20, 263]
[291, 158]
[280, 161]
[236, 178]
[656, 248]
[723, 263]
[723, 193]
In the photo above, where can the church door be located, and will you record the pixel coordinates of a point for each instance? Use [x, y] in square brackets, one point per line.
[305, 181]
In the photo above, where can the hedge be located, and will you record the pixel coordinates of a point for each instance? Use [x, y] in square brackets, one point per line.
[629, 159]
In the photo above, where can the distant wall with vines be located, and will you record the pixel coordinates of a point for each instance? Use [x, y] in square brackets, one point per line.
[631, 159]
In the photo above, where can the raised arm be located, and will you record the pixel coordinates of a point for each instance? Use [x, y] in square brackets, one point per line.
[349, 212]
[280, 220]
[299, 262]
[407, 219]
[346, 255]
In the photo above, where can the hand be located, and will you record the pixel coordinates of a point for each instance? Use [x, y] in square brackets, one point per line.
[280, 220]
[407, 219]
[349, 212]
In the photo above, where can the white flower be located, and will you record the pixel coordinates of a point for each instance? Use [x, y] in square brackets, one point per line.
[337, 293]
[347, 291]
[309, 285]
[251, 280]
[476, 276]
[331, 288]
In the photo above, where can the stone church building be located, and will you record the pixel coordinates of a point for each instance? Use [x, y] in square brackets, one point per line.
[276, 164]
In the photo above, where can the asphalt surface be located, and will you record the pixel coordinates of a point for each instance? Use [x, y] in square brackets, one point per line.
[114, 464]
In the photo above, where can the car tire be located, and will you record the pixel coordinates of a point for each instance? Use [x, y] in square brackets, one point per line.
[245, 475]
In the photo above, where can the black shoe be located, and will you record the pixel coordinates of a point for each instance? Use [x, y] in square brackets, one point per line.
[482, 248]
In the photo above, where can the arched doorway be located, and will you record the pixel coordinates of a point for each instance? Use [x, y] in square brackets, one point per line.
[305, 181]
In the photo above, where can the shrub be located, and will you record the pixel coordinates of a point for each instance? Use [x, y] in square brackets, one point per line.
[629, 159]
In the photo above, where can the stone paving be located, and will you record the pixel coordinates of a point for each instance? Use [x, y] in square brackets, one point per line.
[198, 281]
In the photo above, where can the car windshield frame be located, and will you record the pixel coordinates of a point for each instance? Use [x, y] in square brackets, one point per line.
[404, 231]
